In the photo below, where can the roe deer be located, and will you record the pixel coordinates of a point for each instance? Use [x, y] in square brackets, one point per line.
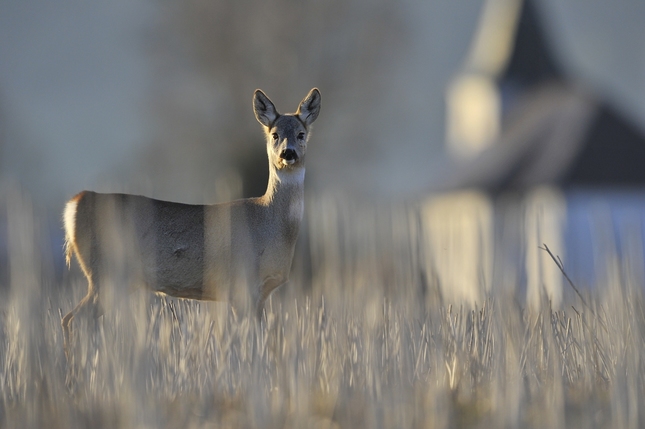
[204, 252]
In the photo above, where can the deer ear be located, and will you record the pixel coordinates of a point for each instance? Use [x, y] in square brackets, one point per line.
[264, 109]
[309, 107]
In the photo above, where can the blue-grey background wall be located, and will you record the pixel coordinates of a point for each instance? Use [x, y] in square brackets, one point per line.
[154, 96]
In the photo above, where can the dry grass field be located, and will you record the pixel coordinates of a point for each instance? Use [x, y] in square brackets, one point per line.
[360, 337]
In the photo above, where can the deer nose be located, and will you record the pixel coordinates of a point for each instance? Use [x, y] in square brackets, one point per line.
[289, 155]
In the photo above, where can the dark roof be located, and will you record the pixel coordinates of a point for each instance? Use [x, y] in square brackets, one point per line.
[554, 132]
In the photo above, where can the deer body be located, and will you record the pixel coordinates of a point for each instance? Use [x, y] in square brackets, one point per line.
[237, 250]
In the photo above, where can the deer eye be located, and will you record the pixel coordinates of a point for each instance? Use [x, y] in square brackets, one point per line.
[275, 136]
[301, 136]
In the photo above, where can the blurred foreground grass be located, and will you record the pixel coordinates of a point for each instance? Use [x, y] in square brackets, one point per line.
[361, 337]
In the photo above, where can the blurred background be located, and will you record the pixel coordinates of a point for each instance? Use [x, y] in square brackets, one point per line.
[467, 108]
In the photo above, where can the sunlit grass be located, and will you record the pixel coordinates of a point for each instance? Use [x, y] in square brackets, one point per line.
[361, 337]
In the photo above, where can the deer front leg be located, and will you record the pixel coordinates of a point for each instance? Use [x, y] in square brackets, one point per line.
[269, 285]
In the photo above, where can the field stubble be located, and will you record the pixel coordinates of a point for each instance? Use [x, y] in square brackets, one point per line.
[361, 337]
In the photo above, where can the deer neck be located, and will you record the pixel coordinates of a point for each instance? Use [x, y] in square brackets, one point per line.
[285, 193]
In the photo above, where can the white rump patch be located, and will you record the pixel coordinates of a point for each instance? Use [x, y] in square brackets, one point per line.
[69, 220]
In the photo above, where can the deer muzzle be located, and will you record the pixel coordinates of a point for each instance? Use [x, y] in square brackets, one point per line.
[288, 156]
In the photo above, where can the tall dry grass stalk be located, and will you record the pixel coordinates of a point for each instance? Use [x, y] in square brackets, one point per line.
[363, 336]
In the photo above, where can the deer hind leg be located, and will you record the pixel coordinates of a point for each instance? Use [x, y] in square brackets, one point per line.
[87, 310]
